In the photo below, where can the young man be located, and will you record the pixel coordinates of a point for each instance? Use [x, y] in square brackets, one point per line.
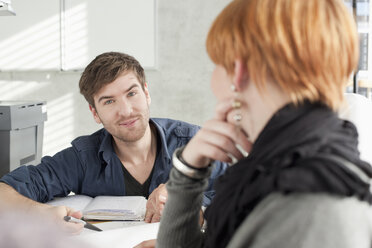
[131, 155]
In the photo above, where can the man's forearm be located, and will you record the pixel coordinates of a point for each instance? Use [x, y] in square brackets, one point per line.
[11, 199]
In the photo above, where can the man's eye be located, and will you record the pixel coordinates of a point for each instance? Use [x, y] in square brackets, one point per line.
[108, 102]
[132, 93]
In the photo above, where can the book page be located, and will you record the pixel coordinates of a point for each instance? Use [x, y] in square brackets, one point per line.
[117, 203]
[76, 202]
[116, 208]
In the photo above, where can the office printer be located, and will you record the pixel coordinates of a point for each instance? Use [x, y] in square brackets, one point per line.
[21, 133]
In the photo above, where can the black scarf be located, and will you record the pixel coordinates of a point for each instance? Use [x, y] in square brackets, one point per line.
[288, 156]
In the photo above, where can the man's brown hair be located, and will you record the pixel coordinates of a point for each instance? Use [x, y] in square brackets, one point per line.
[105, 69]
[309, 48]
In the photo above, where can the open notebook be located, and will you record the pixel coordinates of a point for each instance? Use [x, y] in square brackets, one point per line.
[105, 207]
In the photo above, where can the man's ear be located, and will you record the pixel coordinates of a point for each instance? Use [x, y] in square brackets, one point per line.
[147, 94]
[95, 114]
[240, 77]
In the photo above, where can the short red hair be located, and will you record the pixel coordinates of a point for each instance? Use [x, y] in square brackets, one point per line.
[308, 47]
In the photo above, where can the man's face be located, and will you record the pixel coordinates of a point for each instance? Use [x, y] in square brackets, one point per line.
[123, 108]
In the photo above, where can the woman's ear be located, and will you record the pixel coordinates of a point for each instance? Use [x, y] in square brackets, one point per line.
[240, 75]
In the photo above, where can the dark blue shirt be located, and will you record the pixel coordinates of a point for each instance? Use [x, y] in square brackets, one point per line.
[91, 167]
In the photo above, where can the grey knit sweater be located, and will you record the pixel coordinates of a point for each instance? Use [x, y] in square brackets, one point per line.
[280, 221]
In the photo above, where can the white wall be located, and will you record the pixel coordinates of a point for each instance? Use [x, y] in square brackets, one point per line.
[179, 86]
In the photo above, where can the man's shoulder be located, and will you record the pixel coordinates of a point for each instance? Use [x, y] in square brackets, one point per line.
[89, 142]
[177, 127]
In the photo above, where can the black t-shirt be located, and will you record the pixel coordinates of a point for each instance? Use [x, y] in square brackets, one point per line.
[133, 187]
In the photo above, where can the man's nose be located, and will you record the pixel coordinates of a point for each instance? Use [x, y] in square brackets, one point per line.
[125, 108]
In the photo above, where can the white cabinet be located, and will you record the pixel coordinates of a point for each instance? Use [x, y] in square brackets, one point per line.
[95, 26]
[30, 40]
[68, 34]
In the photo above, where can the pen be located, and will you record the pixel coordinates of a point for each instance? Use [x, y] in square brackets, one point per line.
[86, 224]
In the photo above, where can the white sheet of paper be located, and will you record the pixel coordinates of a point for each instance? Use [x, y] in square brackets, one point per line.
[127, 236]
[105, 226]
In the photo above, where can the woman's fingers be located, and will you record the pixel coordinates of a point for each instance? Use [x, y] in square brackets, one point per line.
[224, 144]
[200, 153]
[217, 140]
[222, 110]
[231, 131]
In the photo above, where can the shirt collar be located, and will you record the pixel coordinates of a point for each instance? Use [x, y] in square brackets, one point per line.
[161, 136]
[106, 150]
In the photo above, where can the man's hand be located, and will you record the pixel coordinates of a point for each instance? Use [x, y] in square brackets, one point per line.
[146, 244]
[16, 201]
[155, 204]
[56, 214]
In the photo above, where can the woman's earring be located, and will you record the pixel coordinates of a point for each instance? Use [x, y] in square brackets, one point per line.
[236, 104]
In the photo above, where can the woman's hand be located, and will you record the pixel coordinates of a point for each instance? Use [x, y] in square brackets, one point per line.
[217, 140]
